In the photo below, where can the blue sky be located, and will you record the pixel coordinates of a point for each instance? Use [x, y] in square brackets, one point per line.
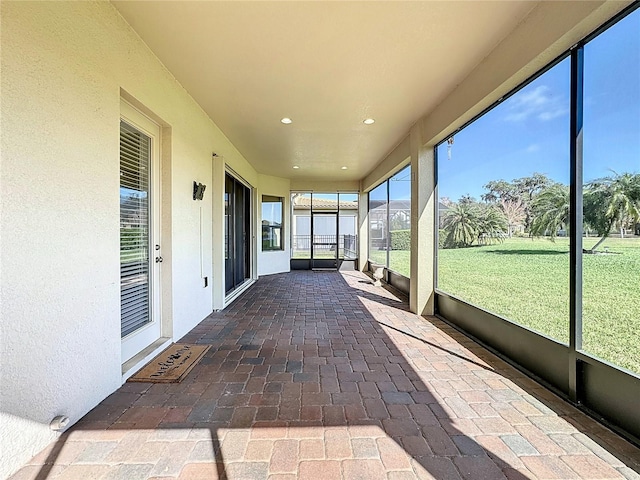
[529, 132]
[399, 187]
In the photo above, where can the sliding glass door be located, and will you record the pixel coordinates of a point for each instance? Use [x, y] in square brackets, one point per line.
[237, 204]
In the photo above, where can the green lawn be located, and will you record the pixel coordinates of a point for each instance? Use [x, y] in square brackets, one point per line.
[527, 281]
[398, 260]
[135, 255]
[379, 256]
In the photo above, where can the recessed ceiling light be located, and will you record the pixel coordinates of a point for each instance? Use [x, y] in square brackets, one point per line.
[286, 120]
[296, 167]
[369, 121]
[343, 168]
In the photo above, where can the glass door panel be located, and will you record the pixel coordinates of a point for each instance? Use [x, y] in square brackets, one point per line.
[324, 251]
[140, 255]
[237, 233]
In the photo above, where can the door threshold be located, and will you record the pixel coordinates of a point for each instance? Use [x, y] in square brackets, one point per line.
[238, 291]
[138, 361]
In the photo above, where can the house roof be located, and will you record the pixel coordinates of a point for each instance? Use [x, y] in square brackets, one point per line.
[394, 205]
[305, 202]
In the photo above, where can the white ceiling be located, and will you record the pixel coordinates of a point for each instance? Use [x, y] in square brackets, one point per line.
[326, 64]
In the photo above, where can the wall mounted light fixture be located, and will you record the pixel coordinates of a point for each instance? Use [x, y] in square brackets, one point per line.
[198, 190]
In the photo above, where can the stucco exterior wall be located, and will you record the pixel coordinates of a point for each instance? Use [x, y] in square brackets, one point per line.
[65, 66]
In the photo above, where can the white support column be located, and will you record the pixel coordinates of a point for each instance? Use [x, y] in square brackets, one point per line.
[423, 198]
[363, 230]
[218, 222]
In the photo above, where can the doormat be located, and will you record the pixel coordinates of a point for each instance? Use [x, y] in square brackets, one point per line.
[172, 365]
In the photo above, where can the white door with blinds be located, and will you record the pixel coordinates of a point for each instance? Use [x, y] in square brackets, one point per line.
[140, 250]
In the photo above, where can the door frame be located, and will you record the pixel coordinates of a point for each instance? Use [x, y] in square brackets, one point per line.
[250, 250]
[325, 263]
[135, 342]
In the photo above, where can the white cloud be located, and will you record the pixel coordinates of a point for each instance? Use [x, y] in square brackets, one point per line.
[534, 147]
[538, 103]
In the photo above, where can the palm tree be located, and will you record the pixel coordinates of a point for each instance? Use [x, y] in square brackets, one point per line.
[461, 223]
[611, 201]
[550, 211]
[607, 202]
[492, 224]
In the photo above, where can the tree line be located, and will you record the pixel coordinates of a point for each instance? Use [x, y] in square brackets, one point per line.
[538, 206]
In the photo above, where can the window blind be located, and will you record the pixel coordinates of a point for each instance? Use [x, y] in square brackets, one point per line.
[135, 151]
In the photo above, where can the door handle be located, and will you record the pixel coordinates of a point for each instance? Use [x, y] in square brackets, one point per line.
[158, 259]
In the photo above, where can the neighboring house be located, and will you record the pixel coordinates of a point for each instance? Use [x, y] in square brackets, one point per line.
[443, 208]
[399, 218]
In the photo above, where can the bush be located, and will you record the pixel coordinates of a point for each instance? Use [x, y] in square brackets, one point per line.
[401, 240]
[442, 238]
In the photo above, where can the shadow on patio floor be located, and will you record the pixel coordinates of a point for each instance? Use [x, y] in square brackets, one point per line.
[317, 375]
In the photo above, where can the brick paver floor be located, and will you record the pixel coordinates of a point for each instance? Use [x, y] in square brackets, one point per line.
[320, 375]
